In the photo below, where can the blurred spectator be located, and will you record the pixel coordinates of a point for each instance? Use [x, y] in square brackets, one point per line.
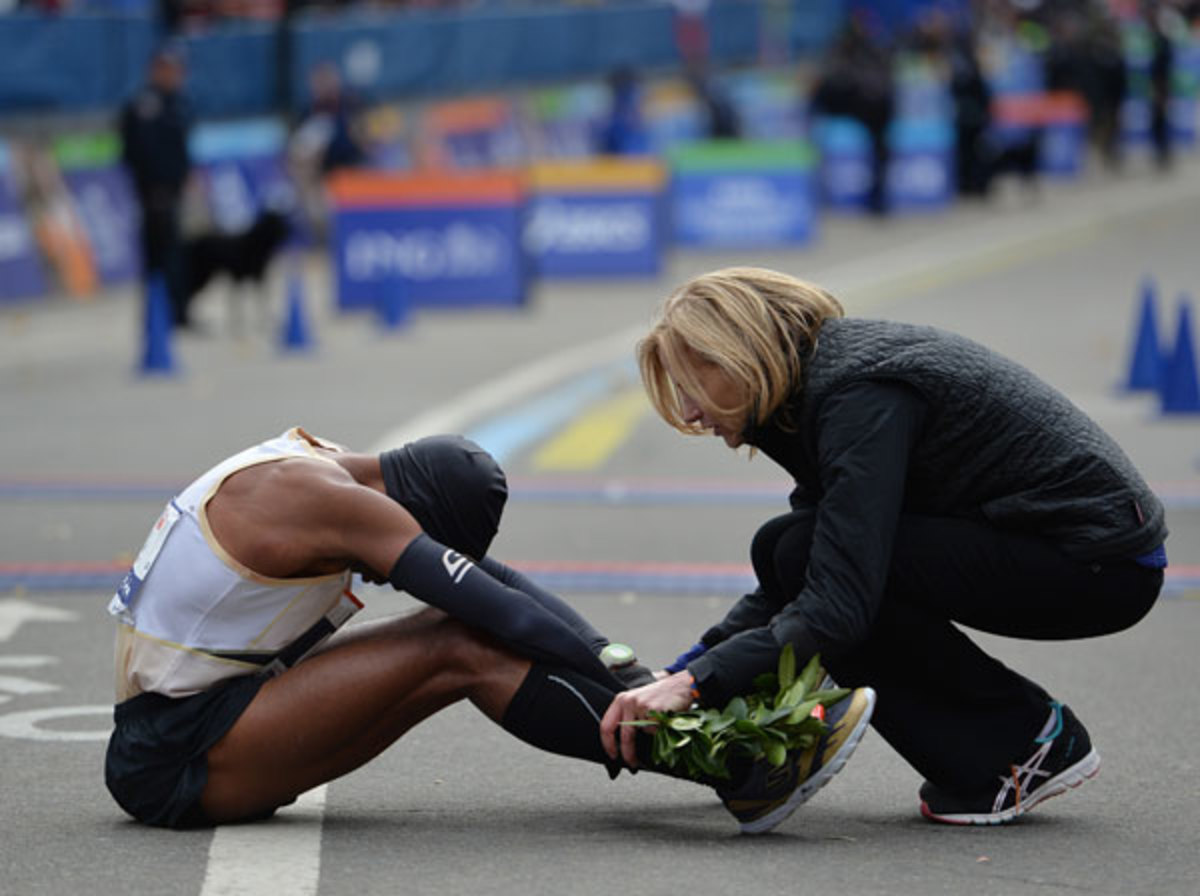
[720, 115]
[691, 30]
[154, 127]
[1161, 67]
[972, 100]
[623, 131]
[329, 126]
[1108, 84]
[325, 140]
[857, 82]
[1085, 57]
[951, 52]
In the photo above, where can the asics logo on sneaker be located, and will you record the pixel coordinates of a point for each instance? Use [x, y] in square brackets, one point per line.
[456, 565]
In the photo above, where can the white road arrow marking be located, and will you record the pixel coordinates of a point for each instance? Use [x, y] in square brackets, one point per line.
[14, 612]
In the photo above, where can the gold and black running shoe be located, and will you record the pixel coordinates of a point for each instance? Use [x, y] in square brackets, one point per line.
[769, 794]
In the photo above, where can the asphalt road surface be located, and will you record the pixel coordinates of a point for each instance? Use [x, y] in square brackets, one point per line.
[645, 531]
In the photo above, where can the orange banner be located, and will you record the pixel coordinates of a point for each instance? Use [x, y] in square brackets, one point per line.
[1039, 109]
[372, 189]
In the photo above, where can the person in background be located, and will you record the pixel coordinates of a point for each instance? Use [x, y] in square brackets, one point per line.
[325, 140]
[154, 126]
[857, 82]
[623, 132]
[1162, 64]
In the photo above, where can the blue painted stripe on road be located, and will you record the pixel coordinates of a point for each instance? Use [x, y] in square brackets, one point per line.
[509, 433]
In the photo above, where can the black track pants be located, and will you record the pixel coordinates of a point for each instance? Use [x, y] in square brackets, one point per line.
[956, 714]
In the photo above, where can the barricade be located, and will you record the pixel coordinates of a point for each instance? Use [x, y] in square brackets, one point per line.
[102, 197]
[601, 217]
[919, 174]
[727, 193]
[452, 238]
[1059, 118]
[21, 274]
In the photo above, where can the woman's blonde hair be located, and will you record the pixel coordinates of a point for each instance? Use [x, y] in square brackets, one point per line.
[758, 326]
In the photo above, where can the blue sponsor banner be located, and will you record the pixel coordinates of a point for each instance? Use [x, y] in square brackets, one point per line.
[21, 273]
[594, 234]
[1181, 118]
[920, 169]
[104, 200]
[441, 257]
[1062, 149]
[743, 193]
[743, 208]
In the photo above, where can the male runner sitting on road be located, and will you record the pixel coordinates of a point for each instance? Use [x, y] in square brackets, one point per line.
[233, 698]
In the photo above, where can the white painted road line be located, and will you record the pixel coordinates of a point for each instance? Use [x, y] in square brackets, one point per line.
[282, 856]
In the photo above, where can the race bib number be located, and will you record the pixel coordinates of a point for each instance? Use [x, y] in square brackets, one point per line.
[132, 583]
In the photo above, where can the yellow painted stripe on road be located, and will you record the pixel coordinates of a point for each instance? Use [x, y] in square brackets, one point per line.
[593, 438]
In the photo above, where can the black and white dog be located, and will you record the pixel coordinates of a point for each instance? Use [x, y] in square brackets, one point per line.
[243, 258]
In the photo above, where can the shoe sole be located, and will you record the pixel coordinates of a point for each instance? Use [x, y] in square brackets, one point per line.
[804, 792]
[1068, 779]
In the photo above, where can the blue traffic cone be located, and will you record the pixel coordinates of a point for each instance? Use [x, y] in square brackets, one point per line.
[156, 354]
[1146, 366]
[394, 307]
[1180, 389]
[297, 335]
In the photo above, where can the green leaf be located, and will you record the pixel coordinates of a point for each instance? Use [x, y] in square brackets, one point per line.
[776, 753]
[719, 724]
[737, 708]
[745, 726]
[831, 696]
[685, 721]
[660, 752]
[801, 712]
[795, 695]
[811, 676]
[787, 667]
[771, 716]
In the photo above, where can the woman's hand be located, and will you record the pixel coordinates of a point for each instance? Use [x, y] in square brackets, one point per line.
[669, 694]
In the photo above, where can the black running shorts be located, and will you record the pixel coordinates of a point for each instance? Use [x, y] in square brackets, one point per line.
[156, 766]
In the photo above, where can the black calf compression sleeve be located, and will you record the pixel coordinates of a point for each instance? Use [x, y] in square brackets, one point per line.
[559, 711]
[448, 580]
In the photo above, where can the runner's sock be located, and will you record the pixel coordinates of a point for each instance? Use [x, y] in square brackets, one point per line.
[559, 710]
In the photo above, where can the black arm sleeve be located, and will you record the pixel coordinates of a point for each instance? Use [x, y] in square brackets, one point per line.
[513, 579]
[754, 610]
[864, 440]
[450, 581]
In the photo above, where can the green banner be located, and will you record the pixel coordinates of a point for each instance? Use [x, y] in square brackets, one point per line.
[87, 150]
[738, 155]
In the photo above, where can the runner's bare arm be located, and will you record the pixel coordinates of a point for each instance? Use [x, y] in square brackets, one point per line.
[300, 517]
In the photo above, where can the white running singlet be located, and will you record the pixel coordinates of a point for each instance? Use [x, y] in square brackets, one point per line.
[191, 615]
